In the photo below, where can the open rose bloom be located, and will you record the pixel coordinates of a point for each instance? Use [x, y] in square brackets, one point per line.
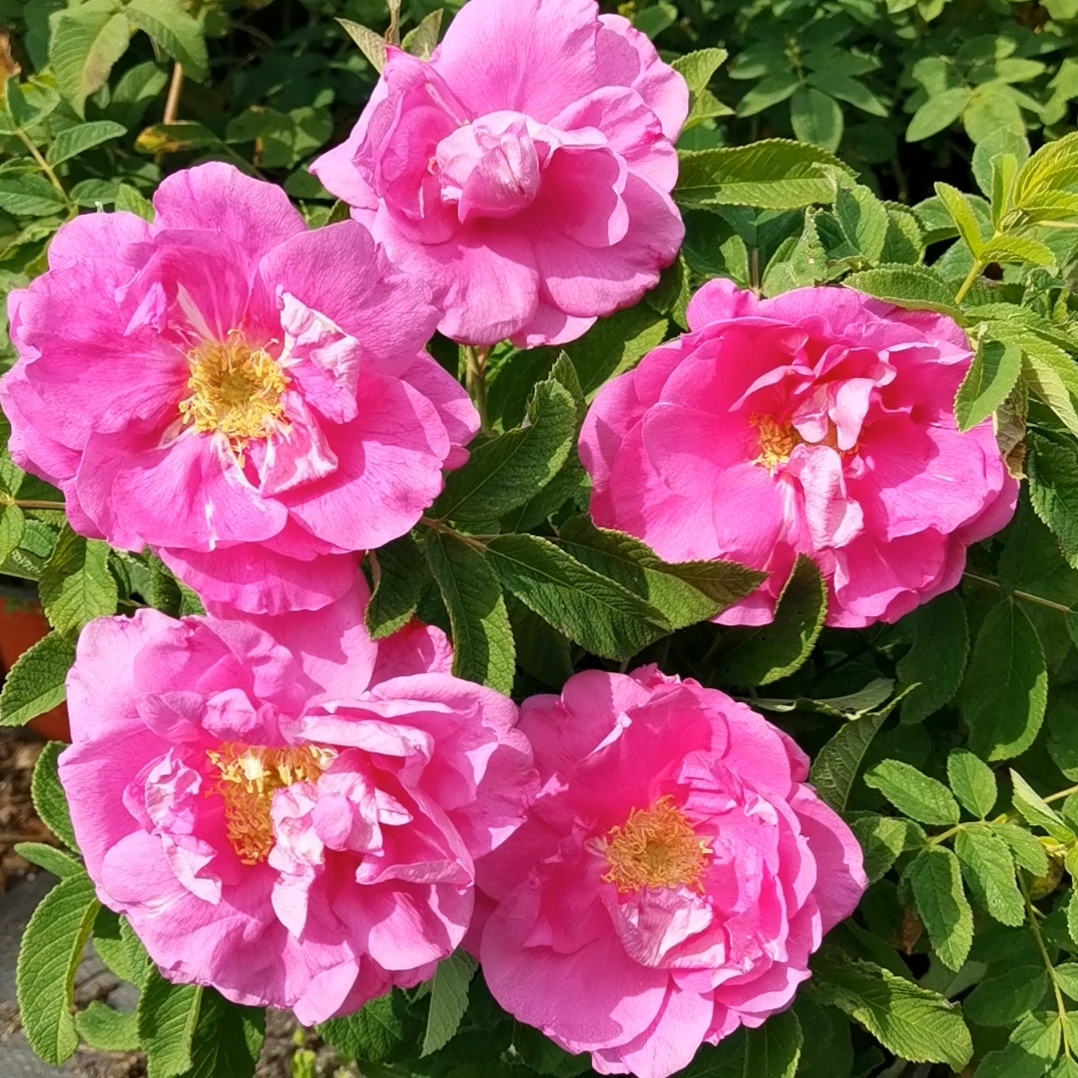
[673, 876]
[282, 808]
[525, 171]
[250, 399]
[820, 422]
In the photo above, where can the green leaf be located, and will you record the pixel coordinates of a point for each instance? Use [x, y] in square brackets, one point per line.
[961, 212]
[48, 957]
[174, 30]
[936, 881]
[422, 39]
[655, 19]
[614, 345]
[1006, 686]
[106, 1029]
[1052, 469]
[506, 471]
[84, 42]
[991, 377]
[938, 112]
[483, 648]
[12, 526]
[864, 220]
[374, 1034]
[372, 45]
[76, 585]
[772, 1051]
[75, 140]
[51, 859]
[29, 196]
[1053, 375]
[36, 683]
[775, 174]
[1072, 917]
[398, 581]
[1018, 249]
[1003, 999]
[1032, 1048]
[935, 663]
[167, 1015]
[685, 593]
[913, 793]
[913, 287]
[129, 199]
[227, 1040]
[596, 612]
[50, 801]
[1051, 168]
[119, 948]
[988, 868]
[1067, 978]
[168, 594]
[544, 1056]
[882, 838]
[837, 763]
[1036, 811]
[761, 655]
[910, 1021]
[769, 91]
[448, 1000]
[696, 68]
[972, 782]
[1028, 852]
[816, 117]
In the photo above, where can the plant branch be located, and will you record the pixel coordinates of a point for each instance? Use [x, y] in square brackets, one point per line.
[475, 378]
[172, 102]
[1025, 596]
[45, 167]
[971, 277]
[31, 503]
[1035, 928]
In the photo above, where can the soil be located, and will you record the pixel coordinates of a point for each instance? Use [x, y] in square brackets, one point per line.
[22, 886]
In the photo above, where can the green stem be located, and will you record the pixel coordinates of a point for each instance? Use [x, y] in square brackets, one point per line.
[967, 284]
[1035, 928]
[475, 378]
[30, 503]
[438, 526]
[45, 167]
[1025, 596]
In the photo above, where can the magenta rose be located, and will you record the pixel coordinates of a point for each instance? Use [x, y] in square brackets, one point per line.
[282, 808]
[250, 399]
[820, 422]
[525, 170]
[672, 878]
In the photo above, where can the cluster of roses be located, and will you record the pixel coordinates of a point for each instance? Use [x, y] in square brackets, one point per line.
[300, 816]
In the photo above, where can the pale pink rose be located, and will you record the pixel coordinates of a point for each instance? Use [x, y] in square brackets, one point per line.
[525, 170]
[821, 423]
[282, 808]
[250, 399]
[672, 878]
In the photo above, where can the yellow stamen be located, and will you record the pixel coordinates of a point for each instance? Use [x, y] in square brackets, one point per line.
[776, 443]
[249, 775]
[657, 847]
[235, 389]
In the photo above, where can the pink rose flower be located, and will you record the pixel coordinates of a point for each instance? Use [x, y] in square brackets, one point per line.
[821, 423]
[525, 170]
[250, 399]
[282, 808]
[672, 878]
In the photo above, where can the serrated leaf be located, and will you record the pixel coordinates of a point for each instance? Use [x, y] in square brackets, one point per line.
[174, 30]
[374, 1034]
[935, 879]
[422, 39]
[107, 1029]
[372, 45]
[167, 1015]
[837, 763]
[1028, 852]
[75, 140]
[506, 471]
[972, 782]
[935, 663]
[816, 117]
[759, 656]
[227, 1040]
[12, 526]
[772, 1051]
[168, 594]
[988, 869]
[1067, 978]
[448, 1000]
[483, 648]
[913, 793]
[1048, 170]
[864, 220]
[129, 199]
[36, 683]
[398, 581]
[1053, 491]
[76, 585]
[685, 593]
[84, 42]
[119, 948]
[696, 68]
[910, 1021]
[29, 196]
[595, 611]
[1003, 999]
[542, 1055]
[1036, 811]
[1031, 1050]
[1072, 917]
[775, 174]
[1006, 686]
[962, 214]
[938, 112]
[882, 839]
[50, 801]
[1017, 249]
[51, 859]
[1053, 375]
[48, 957]
[991, 377]
[916, 288]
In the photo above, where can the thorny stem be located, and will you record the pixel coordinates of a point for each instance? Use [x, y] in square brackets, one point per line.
[475, 377]
[1035, 928]
[45, 167]
[172, 102]
[1025, 596]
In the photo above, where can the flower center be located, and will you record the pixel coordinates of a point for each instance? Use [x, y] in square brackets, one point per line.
[776, 442]
[235, 389]
[249, 775]
[657, 847]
